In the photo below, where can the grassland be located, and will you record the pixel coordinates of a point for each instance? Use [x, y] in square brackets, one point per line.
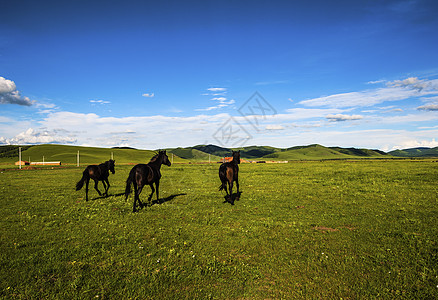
[303, 230]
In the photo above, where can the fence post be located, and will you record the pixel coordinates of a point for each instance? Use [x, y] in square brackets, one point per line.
[19, 156]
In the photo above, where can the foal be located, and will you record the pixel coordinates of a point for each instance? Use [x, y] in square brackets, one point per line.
[97, 173]
[229, 172]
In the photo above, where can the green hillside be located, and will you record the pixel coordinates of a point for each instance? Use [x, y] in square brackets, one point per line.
[87, 155]
[252, 152]
[306, 152]
[416, 152]
[193, 155]
[316, 151]
[359, 152]
[199, 153]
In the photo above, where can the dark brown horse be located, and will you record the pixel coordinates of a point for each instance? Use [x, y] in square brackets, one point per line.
[97, 173]
[228, 173]
[143, 174]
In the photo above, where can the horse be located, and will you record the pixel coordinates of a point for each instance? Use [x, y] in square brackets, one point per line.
[228, 173]
[143, 174]
[97, 173]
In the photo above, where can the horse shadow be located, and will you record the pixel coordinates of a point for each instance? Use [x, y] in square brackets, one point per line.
[153, 202]
[232, 198]
[109, 195]
[164, 200]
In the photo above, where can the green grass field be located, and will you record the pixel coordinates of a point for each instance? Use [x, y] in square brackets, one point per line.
[303, 230]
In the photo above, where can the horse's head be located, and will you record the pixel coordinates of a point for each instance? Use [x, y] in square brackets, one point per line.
[236, 156]
[164, 158]
[111, 164]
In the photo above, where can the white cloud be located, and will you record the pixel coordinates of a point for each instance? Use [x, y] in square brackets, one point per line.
[216, 89]
[376, 81]
[31, 136]
[99, 101]
[341, 117]
[308, 113]
[274, 127]
[406, 119]
[428, 107]
[222, 101]
[149, 95]
[6, 85]
[414, 143]
[10, 95]
[394, 91]
[150, 132]
[414, 83]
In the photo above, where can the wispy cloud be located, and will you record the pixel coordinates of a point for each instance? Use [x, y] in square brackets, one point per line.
[428, 107]
[393, 91]
[218, 95]
[341, 117]
[100, 101]
[10, 95]
[217, 89]
[309, 113]
[274, 127]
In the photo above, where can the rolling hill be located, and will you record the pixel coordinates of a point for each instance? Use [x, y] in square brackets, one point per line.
[199, 153]
[68, 154]
[192, 154]
[310, 152]
[416, 152]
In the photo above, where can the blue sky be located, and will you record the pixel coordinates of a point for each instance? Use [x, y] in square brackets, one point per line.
[157, 74]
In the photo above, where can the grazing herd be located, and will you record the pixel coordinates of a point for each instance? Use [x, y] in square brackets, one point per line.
[149, 174]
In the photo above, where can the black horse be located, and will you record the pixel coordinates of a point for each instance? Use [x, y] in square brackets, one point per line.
[143, 174]
[97, 173]
[228, 173]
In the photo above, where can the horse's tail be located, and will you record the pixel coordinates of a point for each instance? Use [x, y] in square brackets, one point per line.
[80, 183]
[223, 176]
[129, 181]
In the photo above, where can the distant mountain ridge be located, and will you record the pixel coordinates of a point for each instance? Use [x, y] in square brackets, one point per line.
[313, 151]
[416, 152]
[202, 153]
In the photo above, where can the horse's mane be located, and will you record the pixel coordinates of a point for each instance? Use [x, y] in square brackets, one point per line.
[154, 158]
[105, 163]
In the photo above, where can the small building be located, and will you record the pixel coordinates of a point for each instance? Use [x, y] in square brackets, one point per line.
[23, 163]
[45, 163]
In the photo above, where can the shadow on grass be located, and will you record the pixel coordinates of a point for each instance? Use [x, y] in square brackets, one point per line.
[157, 202]
[109, 195]
[167, 199]
[234, 197]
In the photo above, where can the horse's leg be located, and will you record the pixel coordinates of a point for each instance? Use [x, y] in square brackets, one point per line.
[104, 188]
[134, 183]
[153, 191]
[237, 186]
[107, 186]
[140, 188]
[157, 185]
[224, 184]
[230, 183]
[87, 181]
[95, 187]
